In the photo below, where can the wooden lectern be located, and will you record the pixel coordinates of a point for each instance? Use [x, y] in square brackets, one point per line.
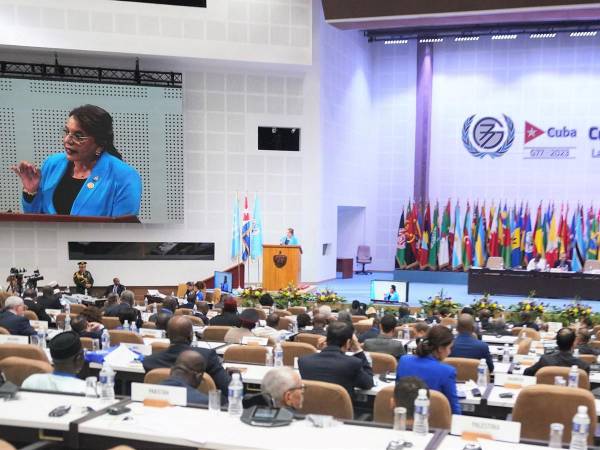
[281, 266]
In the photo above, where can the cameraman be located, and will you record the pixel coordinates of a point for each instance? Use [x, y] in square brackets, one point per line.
[13, 284]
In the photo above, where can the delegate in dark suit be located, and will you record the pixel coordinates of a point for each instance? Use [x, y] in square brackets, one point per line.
[48, 300]
[385, 344]
[332, 365]
[565, 340]
[466, 346]
[193, 395]
[39, 311]
[168, 357]
[16, 324]
[114, 288]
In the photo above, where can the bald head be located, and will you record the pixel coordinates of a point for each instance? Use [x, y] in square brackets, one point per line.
[465, 323]
[189, 367]
[179, 330]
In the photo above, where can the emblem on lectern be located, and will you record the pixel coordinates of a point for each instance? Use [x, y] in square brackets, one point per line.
[280, 260]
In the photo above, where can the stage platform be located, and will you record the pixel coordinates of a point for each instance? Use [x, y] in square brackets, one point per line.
[358, 288]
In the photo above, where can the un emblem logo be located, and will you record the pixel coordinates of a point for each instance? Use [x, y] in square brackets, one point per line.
[489, 136]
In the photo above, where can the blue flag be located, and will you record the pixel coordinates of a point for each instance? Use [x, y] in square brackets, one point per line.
[578, 257]
[235, 230]
[246, 231]
[256, 240]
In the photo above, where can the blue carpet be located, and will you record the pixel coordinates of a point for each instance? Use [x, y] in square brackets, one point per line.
[359, 287]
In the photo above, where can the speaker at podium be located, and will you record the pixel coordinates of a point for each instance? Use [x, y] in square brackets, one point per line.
[281, 266]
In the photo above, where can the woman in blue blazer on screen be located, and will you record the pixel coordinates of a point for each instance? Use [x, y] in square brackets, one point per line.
[427, 364]
[89, 178]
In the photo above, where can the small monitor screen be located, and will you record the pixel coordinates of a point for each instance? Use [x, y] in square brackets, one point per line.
[224, 281]
[389, 291]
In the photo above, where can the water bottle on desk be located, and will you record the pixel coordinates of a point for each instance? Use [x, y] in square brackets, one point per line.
[67, 308]
[506, 354]
[126, 325]
[42, 338]
[235, 393]
[421, 415]
[576, 353]
[482, 378]
[573, 376]
[134, 328]
[68, 321]
[278, 355]
[405, 333]
[145, 303]
[105, 339]
[580, 429]
[269, 357]
[107, 382]
[556, 435]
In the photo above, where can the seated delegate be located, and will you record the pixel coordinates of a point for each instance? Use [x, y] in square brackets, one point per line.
[427, 364]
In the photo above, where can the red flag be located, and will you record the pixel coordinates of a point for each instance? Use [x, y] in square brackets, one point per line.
[425, 235]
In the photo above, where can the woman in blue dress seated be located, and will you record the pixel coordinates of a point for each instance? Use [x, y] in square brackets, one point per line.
[427, 364]
[89, 178]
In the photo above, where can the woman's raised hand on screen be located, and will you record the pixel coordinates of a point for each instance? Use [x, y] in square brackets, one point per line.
[30, 176]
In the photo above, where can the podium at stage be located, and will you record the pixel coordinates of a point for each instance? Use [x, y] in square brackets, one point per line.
[281, 266]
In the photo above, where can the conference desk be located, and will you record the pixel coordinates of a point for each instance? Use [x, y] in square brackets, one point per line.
[545, 284]
[171, 427]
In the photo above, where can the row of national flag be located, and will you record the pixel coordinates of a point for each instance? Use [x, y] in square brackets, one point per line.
[246, 239]
[433, 237]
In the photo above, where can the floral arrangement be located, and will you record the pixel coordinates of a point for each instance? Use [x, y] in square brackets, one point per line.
[440, 301]
[290, 296]
[575, 311]
[486, 302]
[250, 296]
[327, 296]
[529, 305]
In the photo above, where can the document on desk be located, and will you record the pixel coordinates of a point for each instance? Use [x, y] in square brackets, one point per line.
[457, 443]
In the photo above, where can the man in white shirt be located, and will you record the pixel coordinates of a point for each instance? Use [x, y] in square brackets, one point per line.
[270, 330]
[537, 263]
[67, 357]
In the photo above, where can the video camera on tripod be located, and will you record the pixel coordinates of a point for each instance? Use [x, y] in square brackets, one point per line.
[31, 281]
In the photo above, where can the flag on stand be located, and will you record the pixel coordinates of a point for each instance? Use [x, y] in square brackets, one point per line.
[592, 245]
[468, 246]
[458, 240]
[444, 249]
[412, 243]
[515, 240]
[528, 240]
[552, 245]
[425, 233]
[256, 236]
[506, 248]
[401, 244]
[538, 235]
[494, 247]
[480, 253]
[578, 259]
[434, 241]
[246, 231]
[563, 232]
[235, 230]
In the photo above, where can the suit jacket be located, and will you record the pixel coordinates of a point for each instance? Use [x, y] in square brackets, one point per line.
[193, 395]
[116, 309]
[113, 188]
[38, 310]
[587, 349]
[561, 359]
[235, 335]
[438, 376]
[466, 346]
[226, 319]
[213, 364]
[109, 289]
[384, 344]
[369, 334]
[49, 302]
[16, 324]
[333, 366]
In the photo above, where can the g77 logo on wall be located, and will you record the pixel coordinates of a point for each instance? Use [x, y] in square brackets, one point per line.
[489, 136]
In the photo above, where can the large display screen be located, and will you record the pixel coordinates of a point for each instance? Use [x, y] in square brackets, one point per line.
[389, 291]
[91, 150]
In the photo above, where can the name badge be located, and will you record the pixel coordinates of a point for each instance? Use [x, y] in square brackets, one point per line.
[53, 312]
[175, 395]
[140, 348]
[253, 340]
[526, 360]
[39, 325]
[477, 427]
[513, 380]
[13, 339]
